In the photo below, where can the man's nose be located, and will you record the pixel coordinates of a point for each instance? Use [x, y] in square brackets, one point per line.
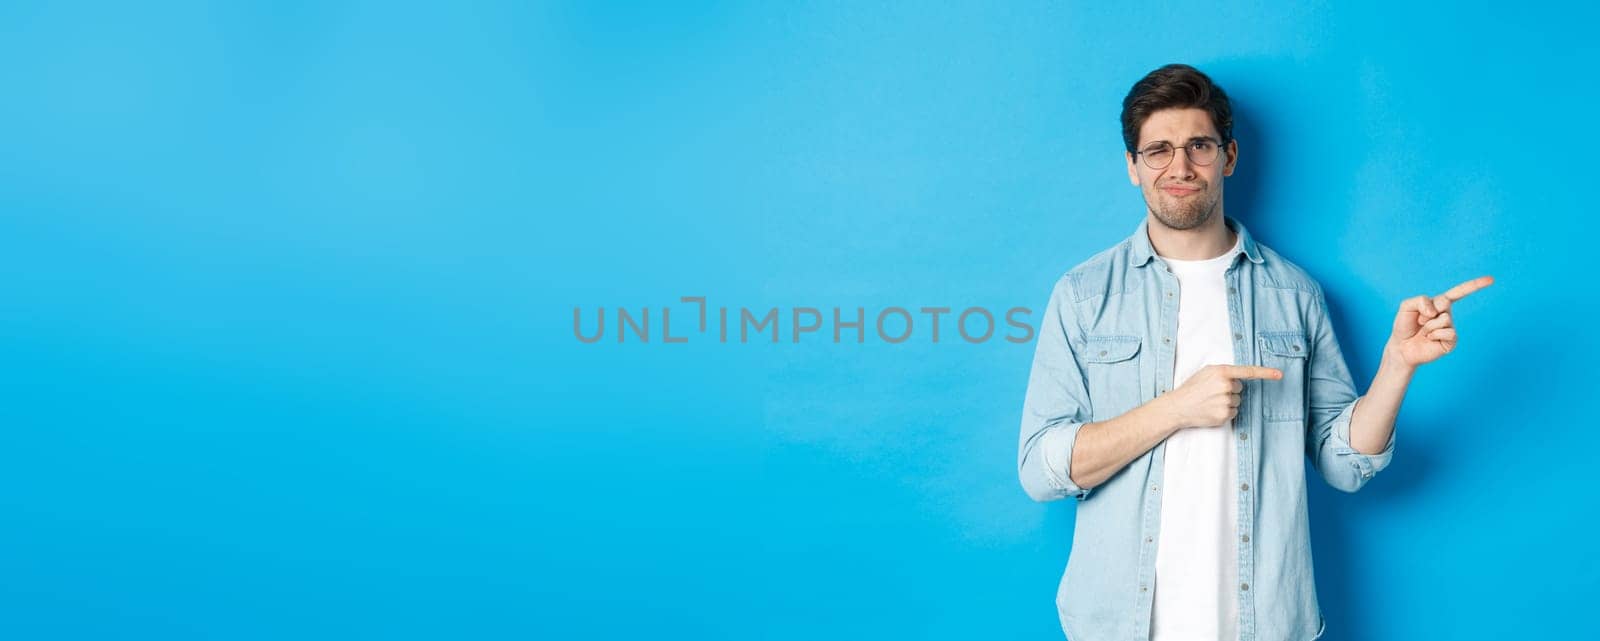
[1181, 167]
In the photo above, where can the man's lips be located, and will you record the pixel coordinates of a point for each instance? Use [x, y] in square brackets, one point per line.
[1180, 191]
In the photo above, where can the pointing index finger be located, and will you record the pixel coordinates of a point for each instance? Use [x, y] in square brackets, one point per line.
[1252, 371]
[1460, 291]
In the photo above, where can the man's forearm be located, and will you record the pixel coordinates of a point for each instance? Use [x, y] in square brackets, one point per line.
[1103, 448]
[1372, 422]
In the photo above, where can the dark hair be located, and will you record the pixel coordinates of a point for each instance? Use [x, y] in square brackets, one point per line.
[1175, 86]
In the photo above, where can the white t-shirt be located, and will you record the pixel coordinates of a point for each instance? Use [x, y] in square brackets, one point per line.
[1196, 556]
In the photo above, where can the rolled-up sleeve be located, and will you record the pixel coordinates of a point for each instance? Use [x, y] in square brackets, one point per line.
[1056, 406]
[1332, 400]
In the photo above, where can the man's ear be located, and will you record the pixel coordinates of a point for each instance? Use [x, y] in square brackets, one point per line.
[1133, 170]
[1233, 157]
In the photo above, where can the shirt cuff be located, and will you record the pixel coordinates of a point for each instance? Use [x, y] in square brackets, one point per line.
[1056, 445]
[1366, 464]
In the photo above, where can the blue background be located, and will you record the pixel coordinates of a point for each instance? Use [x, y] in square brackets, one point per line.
[287, 300]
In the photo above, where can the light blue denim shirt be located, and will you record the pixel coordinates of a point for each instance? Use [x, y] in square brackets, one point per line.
[1106, 346]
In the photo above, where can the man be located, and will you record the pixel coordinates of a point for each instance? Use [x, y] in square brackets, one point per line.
[1179, 381]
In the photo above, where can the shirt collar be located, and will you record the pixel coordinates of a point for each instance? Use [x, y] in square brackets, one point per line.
[1143, 251]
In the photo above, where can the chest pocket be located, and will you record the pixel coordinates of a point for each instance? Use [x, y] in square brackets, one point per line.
[1111, 365]
[1289, 352]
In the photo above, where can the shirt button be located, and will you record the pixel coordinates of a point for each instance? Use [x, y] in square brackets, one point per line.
[1231, 289]
[1238, 337]
[1244, 487]
[1142, 588]
[1246, 538]
[1244, 586]
[1148, 539]
[1102, 352]
[1244, 436]
[1153, 488]
[1166, 339]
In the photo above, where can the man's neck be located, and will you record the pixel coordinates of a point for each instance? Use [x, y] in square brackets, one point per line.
[1207, 241]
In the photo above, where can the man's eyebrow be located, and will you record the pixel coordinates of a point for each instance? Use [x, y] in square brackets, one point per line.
[1186, 142]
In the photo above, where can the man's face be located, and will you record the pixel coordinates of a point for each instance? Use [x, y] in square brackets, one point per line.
[1182, 195]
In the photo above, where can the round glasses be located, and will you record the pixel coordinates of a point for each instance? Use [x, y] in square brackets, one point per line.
[1202, 152]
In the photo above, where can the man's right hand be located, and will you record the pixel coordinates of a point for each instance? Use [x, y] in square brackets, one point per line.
[1210, 398]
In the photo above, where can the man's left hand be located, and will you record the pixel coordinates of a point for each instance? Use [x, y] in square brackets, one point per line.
[1425, 328]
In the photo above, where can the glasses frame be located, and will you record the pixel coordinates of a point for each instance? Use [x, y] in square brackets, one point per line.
[1221, 146]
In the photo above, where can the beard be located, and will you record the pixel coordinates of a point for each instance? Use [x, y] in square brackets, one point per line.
[1184, 213]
